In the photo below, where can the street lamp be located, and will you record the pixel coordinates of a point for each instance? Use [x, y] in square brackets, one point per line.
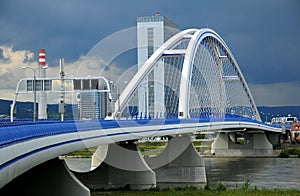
[115, 88]
[116, 98]
[34, 89]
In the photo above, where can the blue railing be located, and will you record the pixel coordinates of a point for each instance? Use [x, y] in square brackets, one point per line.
[129, 116]
[18, 132]
[6, 122]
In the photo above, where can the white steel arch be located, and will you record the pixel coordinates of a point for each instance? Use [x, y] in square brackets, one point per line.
[187, 71]
[195, 37]
[144, 70]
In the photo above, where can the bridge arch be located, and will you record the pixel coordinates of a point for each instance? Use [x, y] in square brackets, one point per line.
[146, 68]
[210, 80]
[221, 53]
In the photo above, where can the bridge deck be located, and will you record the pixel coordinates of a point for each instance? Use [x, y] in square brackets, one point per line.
[14, 133]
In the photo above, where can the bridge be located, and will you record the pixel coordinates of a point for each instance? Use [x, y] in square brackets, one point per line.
[203, 90]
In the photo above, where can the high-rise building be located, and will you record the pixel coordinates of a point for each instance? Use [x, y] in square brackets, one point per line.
[152, 32]
[92, 105]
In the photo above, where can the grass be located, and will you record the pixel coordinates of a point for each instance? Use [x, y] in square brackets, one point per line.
[88, 152]
[147, 148]
[155, 148]
[152, 148]
[291, 150]
[220, 189]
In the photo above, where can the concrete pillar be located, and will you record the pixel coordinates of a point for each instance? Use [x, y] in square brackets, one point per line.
[255, 144]
[123, 166]
[274, 138]
[48, 179]
[99, 156]
[179, 164]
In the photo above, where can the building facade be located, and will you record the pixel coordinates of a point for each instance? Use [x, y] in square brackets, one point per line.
[152, 32]
[92, 105]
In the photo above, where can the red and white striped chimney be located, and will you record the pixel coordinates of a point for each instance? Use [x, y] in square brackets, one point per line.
[42, 95]
[42, 57]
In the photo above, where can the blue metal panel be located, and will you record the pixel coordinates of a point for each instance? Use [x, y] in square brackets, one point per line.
[20, 133]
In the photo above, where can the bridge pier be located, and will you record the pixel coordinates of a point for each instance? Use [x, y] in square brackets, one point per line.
[255, 144]
[179, 164]
[123, 166]
[274, 138]
[50, 178]
[99, 156]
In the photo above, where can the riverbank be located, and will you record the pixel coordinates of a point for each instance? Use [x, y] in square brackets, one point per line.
[292, 151]
[263, 173]
[221, 189]
[203, 148]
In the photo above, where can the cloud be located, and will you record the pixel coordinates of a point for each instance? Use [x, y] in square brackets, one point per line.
[262, 35]
[11, 65]
[276, 94]
[11, 72]
[12, 61]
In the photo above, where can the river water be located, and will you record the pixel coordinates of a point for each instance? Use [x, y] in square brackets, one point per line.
[261, 172]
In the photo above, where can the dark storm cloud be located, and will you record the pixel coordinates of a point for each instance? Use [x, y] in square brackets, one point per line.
[65, 28]
[263, 35]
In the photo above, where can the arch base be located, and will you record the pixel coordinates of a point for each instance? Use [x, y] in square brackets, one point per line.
[179, 164]
[123, 166]
[256, 144]
[50, 178]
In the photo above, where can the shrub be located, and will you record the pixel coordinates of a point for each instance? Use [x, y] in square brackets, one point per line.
[246, 184]
[284, 154]
[292, 151]
[207, 186]
[221, 187]
[155, 189]
[178, 188]
[200, 136]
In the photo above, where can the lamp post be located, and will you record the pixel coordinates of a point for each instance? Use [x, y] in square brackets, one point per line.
[262, 115]
[34, 90]
[144, 87]
[115, 91]
[267, 115]
[115, 88]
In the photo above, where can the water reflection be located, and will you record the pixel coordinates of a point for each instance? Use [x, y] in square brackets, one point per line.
[261, 172]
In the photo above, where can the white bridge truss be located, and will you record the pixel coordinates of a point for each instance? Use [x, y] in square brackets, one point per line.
[201, 79]
[60, 86]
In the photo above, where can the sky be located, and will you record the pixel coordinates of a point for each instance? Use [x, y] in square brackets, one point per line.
[262, 35]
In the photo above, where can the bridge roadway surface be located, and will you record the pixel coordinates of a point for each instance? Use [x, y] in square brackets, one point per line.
[23, 146]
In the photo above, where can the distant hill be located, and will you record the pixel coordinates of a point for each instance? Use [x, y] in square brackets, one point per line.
[24, 110]
[5, 107]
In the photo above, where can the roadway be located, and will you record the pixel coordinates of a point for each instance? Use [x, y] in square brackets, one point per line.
[23, 146]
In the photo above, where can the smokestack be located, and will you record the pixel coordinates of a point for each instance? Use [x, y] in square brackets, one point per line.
[42, 57]
[42, 112]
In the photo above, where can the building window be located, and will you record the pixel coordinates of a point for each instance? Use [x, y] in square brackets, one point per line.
[150, 41]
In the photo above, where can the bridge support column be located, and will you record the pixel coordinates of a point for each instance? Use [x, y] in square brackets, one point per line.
[179, 164]
[50, 178]
[99, 156]
[255, 144]
[123, 166]
[274, 138]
